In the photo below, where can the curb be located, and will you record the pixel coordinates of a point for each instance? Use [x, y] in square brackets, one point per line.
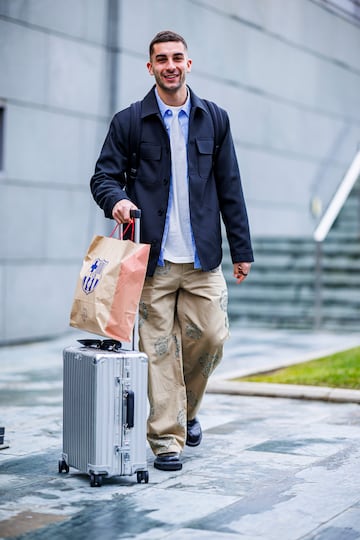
[320, 393]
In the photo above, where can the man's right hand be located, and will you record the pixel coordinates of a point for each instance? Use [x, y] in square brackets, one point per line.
[121, 211]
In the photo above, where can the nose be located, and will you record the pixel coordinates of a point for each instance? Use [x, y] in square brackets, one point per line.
[170, 65]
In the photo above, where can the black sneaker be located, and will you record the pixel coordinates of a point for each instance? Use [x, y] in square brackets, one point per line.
[194, 433]
[169, 461]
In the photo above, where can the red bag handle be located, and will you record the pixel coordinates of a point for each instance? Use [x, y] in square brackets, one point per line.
[130, 224]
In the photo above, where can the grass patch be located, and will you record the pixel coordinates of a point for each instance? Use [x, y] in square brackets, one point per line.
[340, 370]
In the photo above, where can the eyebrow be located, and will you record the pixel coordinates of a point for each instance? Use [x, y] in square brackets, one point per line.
[162, 56]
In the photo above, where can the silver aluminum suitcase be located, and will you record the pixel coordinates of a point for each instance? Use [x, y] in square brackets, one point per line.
[105, 409]
[104, 413]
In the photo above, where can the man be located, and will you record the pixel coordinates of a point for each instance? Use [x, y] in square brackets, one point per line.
[184, 182]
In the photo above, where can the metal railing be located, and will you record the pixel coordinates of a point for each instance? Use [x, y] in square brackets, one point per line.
[326, 222]
[338, 200]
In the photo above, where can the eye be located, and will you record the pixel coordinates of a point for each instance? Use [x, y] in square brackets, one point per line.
[161, 59]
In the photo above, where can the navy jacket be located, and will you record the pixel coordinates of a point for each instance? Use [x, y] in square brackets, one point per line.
[214, 187]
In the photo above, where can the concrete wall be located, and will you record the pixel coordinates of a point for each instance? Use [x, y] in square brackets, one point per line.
[288, 72]
[53, 84]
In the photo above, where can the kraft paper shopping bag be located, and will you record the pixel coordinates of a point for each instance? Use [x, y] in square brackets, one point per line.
[109, 287]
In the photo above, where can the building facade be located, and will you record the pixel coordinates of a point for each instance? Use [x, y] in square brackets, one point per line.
[288, 72]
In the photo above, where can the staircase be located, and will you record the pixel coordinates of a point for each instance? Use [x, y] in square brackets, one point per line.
[295, 283]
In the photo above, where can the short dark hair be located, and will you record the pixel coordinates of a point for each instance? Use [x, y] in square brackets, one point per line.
[163, 37]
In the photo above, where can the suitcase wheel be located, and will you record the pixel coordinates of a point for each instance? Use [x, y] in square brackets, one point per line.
[95, 480]
[142, 476]
[63, 466]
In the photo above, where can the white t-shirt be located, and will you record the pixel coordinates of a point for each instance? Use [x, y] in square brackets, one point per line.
[178, 246]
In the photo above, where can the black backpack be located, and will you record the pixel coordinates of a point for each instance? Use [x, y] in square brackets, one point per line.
[135, 131]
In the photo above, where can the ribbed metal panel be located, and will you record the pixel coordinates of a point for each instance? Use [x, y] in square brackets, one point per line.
[79, 418]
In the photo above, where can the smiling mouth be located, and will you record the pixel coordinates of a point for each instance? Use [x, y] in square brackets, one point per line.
[171, 77]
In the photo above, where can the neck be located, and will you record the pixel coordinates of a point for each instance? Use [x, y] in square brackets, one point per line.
[173, 99]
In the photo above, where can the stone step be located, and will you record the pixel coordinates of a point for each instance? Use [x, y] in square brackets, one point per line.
[275, 263]
[304, 294]
[343, 255]
[280, 310]
[331, 279]
[278, 301]
[281, 290]
[349, 233]
[331, 246]
[345, 324]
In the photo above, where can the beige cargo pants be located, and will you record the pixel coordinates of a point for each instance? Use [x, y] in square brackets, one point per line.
[183, 325]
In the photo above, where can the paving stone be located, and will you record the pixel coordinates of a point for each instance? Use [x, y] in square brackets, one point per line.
[267, 469]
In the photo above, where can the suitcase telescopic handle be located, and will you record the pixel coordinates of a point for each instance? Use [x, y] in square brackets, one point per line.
[136, 216]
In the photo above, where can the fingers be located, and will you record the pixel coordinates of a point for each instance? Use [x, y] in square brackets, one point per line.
[241, 271]
[121, 211]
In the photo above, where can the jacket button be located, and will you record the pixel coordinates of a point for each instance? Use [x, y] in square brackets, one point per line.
[166, 181]
[160, 212]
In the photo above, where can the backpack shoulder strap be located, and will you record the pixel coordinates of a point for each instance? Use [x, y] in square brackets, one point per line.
[219, 124]
[134, 138]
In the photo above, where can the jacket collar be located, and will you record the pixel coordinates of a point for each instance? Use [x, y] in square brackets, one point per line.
[150, 106]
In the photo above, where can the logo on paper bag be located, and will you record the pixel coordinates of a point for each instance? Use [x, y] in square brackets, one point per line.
[93, 276]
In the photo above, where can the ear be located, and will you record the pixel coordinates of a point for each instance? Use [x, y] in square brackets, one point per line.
[150, 69]
[188, 65]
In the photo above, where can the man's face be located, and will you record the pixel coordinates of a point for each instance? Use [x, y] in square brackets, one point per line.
[169, 64]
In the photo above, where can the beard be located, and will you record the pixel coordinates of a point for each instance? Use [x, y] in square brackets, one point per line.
[170, 86]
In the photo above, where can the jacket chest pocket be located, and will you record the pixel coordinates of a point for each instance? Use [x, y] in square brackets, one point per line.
[204, 156]
[150, 162]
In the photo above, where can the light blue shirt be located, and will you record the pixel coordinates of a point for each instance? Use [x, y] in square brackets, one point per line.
[184, 115]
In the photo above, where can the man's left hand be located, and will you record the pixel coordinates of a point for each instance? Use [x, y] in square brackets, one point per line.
[241, 271]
